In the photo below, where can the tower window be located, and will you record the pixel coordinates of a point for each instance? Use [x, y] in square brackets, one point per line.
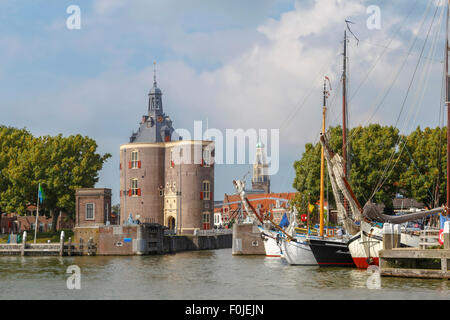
[135, 191]
[206, 190]
[206, 220]
[135, 163]
[206, 158]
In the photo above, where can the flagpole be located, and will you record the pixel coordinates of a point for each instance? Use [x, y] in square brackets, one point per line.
[37, 215]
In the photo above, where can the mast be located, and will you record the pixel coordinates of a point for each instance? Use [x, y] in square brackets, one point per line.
[322, 159]
[344, 107]
[447, 103]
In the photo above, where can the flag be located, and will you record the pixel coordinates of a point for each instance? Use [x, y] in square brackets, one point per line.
[284, 221]
[41, 194]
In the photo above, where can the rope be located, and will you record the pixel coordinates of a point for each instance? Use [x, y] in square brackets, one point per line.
[384, 177]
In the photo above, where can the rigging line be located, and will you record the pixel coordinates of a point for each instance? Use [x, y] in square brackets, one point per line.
[385, 176]
[439, 154]
[381, 182]
[294, 111]
[384, 51]
[394, 80]
[417, 168]
[393, 152]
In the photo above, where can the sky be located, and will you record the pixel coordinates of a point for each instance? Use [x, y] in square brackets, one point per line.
[255, 64]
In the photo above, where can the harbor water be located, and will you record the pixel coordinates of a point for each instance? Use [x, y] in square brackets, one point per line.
[204, 275]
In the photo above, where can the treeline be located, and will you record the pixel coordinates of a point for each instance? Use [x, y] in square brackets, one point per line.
[59, 164]
[413, 165]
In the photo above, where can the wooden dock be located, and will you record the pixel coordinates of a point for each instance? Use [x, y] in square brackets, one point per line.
[415, 262]
[49, 249]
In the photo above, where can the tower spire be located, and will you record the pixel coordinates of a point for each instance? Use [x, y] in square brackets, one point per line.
[154, 74]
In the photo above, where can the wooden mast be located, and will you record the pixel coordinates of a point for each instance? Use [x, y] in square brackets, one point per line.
[447, 102]
[344, 107]
[322, 159]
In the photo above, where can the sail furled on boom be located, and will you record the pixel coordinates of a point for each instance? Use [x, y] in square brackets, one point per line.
[340, 190]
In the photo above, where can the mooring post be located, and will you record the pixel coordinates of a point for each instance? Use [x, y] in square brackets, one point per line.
[447, 235]
[388, 235]
[397, 236]
[24, 243]
[90, 246]
[69, 247]
[444, 261]
[61, 244]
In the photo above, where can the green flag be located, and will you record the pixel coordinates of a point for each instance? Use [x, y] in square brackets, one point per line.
[41, 194]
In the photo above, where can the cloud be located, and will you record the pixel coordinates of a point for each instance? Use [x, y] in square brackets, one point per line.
[259, 72]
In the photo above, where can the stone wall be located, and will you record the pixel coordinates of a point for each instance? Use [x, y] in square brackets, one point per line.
[146, 239]
[247, 240]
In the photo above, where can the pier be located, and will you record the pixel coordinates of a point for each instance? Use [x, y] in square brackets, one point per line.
[62, 248]
[413, 262]
[144, 239]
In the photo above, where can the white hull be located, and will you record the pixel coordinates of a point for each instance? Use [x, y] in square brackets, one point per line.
[270, 243]
[298, 253]
[364, 248]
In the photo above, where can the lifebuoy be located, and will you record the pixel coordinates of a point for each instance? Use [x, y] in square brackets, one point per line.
[441, 237]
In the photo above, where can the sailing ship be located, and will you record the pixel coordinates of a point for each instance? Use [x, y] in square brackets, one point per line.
[364, 223]
[330, 252]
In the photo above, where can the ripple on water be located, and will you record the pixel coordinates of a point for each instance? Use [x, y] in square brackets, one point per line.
[199, 275]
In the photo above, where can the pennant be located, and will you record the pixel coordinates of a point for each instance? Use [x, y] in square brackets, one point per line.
[41, 194]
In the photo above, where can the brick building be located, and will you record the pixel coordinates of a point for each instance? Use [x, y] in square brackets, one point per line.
[275, 203]
[92, 207]
[164, 181]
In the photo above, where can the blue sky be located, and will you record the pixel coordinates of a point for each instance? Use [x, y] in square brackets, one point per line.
[240, 64]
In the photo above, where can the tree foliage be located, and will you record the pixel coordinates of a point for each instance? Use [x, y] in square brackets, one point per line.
[60, 164]
[411, 165]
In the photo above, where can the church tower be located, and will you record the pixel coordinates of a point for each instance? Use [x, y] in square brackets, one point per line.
[155, 126]
[260, 180]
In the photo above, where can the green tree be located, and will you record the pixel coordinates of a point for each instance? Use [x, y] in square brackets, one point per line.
[70, 163]
[373, 153]
[425, 153]
[60, 164]
[15, 188]
[370, 150]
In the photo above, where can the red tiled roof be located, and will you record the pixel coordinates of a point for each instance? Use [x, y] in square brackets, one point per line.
[265, 202]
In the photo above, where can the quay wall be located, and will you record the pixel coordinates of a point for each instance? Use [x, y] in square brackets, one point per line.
[247, 240]
[147, 239]
[126, 240]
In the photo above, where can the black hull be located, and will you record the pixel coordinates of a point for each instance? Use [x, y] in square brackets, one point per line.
[331, 253]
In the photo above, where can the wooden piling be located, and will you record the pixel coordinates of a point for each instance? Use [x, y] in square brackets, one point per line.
[61, 244]
[388, 236]
[397, 236]
[447, 235]
[69, 247]
[24, 243]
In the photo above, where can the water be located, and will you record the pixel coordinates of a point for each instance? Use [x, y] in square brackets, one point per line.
[210, 275]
